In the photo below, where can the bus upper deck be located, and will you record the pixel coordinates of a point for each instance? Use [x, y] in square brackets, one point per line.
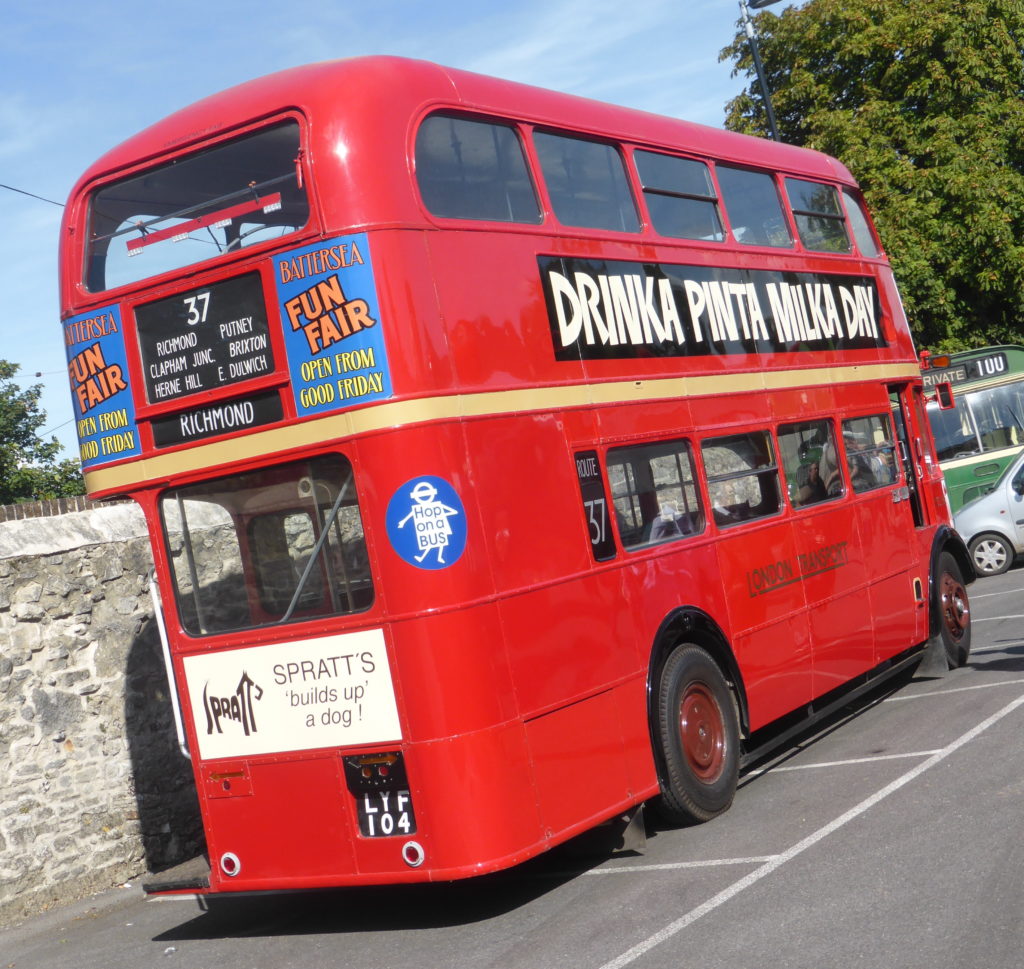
[766, 264]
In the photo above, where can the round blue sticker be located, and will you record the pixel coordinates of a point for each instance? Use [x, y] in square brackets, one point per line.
[426, 523]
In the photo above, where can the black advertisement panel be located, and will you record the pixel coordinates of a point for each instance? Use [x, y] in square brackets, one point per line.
[595, 505]
[603, 309]
[204, 339]
[222, 418]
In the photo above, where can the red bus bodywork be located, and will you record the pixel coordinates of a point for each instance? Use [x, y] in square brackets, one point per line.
[522, 671]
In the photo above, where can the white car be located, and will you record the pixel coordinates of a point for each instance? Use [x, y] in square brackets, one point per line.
[993, 525]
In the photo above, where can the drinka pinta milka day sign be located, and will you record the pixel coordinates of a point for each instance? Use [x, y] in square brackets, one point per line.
[602, 309]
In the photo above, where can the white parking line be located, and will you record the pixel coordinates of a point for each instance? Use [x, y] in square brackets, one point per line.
[777, 861]
[993, 595]
[952, 689]
[839, 763]
[999, 648]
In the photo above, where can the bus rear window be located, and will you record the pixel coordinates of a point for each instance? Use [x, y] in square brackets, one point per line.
[195, 208]
[274, 545]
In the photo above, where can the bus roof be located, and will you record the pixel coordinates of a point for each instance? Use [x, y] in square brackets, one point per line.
[398, 89]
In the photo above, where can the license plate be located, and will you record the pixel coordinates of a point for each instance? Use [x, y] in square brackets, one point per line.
[385, 814]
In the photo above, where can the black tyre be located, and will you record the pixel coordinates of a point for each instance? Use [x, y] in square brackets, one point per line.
[954, 611]
[991, 554]
[699, 735]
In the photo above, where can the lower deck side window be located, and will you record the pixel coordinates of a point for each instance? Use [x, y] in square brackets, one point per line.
[743, 477]
[870, 452]
[654, 493]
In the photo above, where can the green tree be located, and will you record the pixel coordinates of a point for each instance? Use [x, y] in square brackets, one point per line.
[923, 100]
[30, 468]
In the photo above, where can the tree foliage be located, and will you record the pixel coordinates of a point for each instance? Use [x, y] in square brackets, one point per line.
[30, 468]
[923, 100]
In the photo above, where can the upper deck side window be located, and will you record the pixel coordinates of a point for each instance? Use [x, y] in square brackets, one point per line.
[680, 196]
[586, 182]
[859, 224]
[472, 169]
[191, 209]
[818, 215]
[754, 208]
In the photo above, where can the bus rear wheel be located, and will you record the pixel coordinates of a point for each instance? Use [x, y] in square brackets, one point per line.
[698, 731]
[954, 611]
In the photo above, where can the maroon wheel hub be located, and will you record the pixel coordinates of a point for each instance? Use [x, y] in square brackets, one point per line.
[702, 732]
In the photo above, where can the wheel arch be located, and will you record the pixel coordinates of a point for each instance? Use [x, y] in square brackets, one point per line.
[692, 625]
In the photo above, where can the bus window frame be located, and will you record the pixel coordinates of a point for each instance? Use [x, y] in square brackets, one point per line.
[169, 280]
[792, 481]
[241, 525]
[802, 216]
[714, 200]
[793, 245]
[648, 450]
[619, 147]
[721, 514]
[521, 134]
[892, 445]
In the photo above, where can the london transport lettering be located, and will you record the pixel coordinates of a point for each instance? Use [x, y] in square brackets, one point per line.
[300, 695]
[603, 309]
[774, 575]
[102, 400]
[333, 332]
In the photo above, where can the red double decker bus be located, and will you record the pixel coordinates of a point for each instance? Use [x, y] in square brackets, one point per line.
[510, 460]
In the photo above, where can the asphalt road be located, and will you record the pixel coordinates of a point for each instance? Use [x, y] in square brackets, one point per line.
[889, 838]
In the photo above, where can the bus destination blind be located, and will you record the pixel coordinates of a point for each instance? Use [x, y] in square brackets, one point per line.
[204, 339]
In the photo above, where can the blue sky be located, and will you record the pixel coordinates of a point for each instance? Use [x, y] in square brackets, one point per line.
[81, 77]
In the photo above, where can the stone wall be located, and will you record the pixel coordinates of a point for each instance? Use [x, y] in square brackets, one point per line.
[93, 789]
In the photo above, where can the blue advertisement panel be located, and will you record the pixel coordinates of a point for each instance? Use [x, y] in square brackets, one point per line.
[100, 392]
[332, 327]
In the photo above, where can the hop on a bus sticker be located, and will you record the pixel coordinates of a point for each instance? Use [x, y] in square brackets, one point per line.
[426, 523]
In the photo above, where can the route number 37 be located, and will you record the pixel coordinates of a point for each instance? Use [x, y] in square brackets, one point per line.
[197, 314]
[595, 505]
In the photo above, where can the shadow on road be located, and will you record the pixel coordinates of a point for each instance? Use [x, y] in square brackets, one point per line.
[377, 909]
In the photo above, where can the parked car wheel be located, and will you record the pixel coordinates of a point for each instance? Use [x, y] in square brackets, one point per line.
[992, 554]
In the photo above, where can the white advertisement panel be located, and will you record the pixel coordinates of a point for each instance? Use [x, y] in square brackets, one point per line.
[310, 693]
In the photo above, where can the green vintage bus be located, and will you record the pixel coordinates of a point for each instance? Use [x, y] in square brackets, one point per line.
[983, 431]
